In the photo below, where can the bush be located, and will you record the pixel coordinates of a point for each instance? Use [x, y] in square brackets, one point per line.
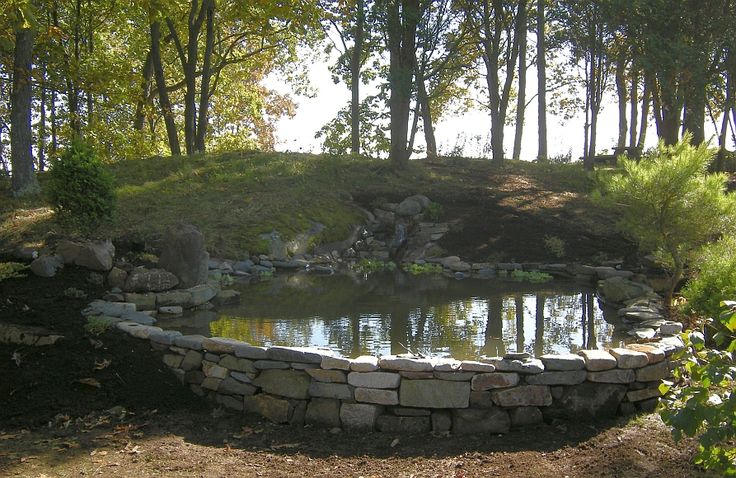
[715, 279]
[669, 204]
[704, 403]
[11, 270]
[80, 189]
[555, 246]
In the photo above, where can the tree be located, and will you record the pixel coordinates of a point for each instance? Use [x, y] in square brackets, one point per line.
[541, 82]
[669, 203]
[521, 33]
[24, 180]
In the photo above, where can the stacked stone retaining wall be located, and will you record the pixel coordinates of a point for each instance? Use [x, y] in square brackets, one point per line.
[404, 394]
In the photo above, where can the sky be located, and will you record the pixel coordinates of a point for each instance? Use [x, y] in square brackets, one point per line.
[564, 136]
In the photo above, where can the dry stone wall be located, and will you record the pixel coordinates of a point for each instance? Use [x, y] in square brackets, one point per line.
[405, 394]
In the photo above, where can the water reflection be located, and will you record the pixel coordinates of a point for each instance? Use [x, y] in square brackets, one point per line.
[429, 315]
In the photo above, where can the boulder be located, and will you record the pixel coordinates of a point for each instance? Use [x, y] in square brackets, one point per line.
[323, 412]
[97, 255]
[117, 277]
[46, 266]
[150, 280]
[591, 400]
[359, 416]
[287, 383]
[410, 206]
[183, 254]
[276, 246]
[434, 394]
[618, 290]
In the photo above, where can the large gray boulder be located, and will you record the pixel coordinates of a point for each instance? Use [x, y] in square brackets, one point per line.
[618, 290]
[150, 280]
[183, 254]
[47, 266]
[97, 255]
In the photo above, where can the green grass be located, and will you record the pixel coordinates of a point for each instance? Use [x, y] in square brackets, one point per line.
[234, 197]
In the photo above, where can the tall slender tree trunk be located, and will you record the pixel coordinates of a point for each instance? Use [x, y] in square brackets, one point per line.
[42, 117]
[163, 94]
[24, 180]
[723, 132]
[425, 110]
[634, 111]
[622, 101]
[52, 116]
[694, 120]
[646, 99]
[403, 16]
[541, 82]
[355, 62]
[90, 50]
[521, 94]
[204, 94]
[139, 120]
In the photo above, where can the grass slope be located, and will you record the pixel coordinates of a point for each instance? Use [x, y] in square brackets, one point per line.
[235, 197]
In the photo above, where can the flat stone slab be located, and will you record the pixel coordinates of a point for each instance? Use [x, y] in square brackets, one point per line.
[323, 412]
[616, 375]
[526, 366]
[338, 391]
[359, 416]
[286, 383]
[403, 364]
[569, 377]
[329, 376]
[434, 394]
[563, 362]
[473, 366]
[377, 396]
[627, 358]
[523, 396]
[488, 381]
[374, 379]
[654, 354]
[654, 372]
[295, 354]
[597, 360]
[364, 363]
[193, 342]
[335, 363]
[475, 421]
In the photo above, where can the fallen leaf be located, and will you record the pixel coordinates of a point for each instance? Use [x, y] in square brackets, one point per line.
[102, 364]
[90, 381]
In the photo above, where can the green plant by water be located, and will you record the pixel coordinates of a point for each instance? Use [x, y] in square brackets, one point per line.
[368, 266]
[703, 404]
[535, 277]
[97, 326]
[11, 270]
[419, 269]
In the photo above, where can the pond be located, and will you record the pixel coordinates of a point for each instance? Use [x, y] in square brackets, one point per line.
[392, 313]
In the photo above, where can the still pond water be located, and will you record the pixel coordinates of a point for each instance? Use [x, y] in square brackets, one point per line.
[395, 313]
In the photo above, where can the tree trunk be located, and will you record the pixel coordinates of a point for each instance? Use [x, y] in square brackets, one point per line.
[42, 118]
[163, 94]
[670, 110]
[521, 94]
[622, 101]
[645, 102]
[355, 62]
[541, 82]
[204, 94]
[426, 112]
[402, 25]
[723, 133]
[694, 120]
[634, 111]
[139, 120]
[24, 180]
[52, 117]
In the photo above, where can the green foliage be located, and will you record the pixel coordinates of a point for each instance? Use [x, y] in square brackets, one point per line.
[80, 189]
[11, 270]
[715, 280]
[668, 202]
[97, 326]
[368, 266]
[74, 293]
[434, 211]
[555, 246]
[419, 269]
[535, 277]
[705, 404]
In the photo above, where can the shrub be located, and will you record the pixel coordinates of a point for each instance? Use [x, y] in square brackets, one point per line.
[715, 279]
[669, 204]
[555, 246]
[80, 189]
[11, 270]
[535, 277]
[97, 326]
[434, 211]
[368, 266]
[419, 269]
[705, 403]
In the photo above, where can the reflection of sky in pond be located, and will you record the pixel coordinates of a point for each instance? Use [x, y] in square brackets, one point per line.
[433, 316]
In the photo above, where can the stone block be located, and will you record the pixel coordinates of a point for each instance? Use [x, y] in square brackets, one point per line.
[330, 376]
[441, 421]
[403, 425]
[173, 298]
[411, 412]
[211, 369]
[193, 342]
[211, 383]
[192, 360]
[271, 365]
[523, 396]
[374, 379]
[230, 386]
[201, 294]
[278, 410]
[570, 377]
[473, 366]
[405, 364]
[165, 337]
[323, 412]
[335, 363]
[434, 394]
[230, 402]
[173, 360]
[670, 328]
[523, 366]
[654, 354]
[654, 372]
[417, 375]
[252, 352]
[474, 421]
[643, 394]
[447, 365]
[616, 375]
[454, 376]
[141, 301]
[627, 358]
[243, 377]
[488, 381]
[481, 399]
[339, 391]
[359, 416]
[364, 363]
[237, 364]
[597, 360]
[295, 354]
[525, 416]
[194, 377]
[588, 400]
[377, 396]
[287, 383]
[562, 363]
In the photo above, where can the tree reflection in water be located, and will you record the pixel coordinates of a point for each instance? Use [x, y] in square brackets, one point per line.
[429, 315]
